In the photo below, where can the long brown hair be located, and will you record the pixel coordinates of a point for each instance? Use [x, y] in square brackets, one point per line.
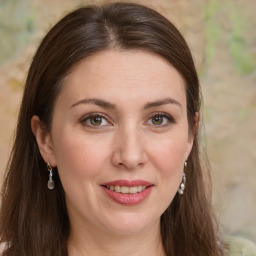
[33, 219]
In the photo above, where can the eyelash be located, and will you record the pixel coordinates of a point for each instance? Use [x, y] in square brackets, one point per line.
[169, 118]
[86, 118]
[94, 115]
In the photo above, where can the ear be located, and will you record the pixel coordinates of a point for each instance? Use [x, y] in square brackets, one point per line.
[44, 140]
[191, 135]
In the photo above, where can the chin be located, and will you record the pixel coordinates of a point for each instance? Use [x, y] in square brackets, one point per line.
[129, 225]
[127, 230]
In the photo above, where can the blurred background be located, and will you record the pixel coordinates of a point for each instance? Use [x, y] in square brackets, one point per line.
[222, 37]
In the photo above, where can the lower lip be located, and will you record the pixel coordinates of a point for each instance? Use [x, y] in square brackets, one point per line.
[128, 199]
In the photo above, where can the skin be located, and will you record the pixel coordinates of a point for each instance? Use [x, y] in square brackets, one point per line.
[132, 142]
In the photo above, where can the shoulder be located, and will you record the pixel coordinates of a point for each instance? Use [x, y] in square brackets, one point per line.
[238, 246]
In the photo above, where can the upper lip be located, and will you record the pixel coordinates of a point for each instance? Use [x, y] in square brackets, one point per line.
[128, 183]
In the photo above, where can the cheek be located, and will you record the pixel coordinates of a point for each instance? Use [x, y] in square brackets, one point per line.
[168, 159]
[80, 156]
[169, 154]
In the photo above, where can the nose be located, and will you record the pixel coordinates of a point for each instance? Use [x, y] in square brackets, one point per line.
[129, 152]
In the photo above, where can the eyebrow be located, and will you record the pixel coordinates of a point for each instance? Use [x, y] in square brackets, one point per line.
[108, 105]
[98, 102]
[159, 103]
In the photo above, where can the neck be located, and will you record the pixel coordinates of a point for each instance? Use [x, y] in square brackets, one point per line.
[92, 242]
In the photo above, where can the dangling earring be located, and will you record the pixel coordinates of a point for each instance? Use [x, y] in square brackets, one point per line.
[50, 183]
[182, 185]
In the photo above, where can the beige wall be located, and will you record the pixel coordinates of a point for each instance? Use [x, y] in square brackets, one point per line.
[222, 37]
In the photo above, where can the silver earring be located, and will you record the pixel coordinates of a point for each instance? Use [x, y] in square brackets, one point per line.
[50, 183]
[182, 185]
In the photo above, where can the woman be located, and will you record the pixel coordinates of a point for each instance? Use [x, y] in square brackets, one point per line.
[106, 156]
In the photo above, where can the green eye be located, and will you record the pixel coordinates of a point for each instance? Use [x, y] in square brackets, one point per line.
[95, 120]
[157, 120]
[160, 119]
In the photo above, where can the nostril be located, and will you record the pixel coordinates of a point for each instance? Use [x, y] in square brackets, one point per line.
[128, 154]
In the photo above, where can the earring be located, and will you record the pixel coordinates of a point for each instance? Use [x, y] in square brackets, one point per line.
[50, 183]
[182, 185]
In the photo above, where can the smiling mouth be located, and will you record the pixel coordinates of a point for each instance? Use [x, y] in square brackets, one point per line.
[127, 192]
[126, 189]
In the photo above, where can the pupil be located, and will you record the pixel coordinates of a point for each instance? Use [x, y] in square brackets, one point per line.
[96, 120]
[157, 120]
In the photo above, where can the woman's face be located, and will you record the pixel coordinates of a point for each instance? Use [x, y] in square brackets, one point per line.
[120, 138]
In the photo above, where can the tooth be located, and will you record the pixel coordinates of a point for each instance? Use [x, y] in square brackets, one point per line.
[117, 189]
[127, 190]
[124, 190]
[139, 188]
[133, 190]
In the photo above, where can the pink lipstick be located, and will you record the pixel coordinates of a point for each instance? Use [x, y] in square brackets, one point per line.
[127, 192]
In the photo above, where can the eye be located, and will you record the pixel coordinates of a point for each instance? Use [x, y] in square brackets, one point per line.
[95, 120]
[160, 119]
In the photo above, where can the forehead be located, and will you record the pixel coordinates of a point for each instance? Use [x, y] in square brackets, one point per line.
[124, 75]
